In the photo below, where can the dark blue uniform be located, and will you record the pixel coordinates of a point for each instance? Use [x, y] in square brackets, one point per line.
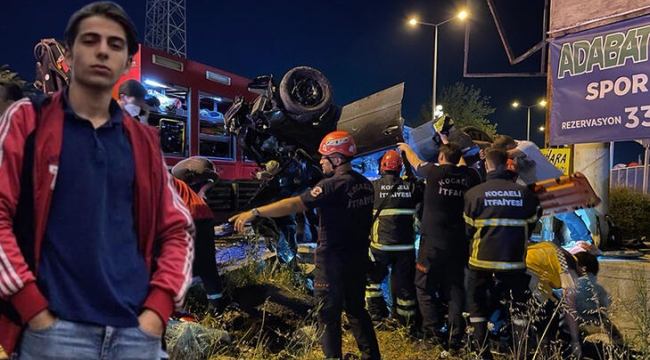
[444, 246]
[344, 203]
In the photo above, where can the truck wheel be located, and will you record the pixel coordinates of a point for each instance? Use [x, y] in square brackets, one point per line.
[305, 93]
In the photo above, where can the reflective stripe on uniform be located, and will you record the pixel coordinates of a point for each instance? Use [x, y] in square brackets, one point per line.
[405, 312]
[215, 296]
[497, 265]
[383, 247]
[374, 294]
[387, 212]
[468, 220]
[476, 241]
[499, 222]
[405, 303]
[373, 291]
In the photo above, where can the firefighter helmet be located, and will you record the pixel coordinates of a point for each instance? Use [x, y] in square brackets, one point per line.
[512, 166]
[195, 169]
[338, 141]
[391, 161]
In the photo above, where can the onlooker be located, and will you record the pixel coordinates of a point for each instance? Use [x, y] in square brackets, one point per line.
[9, 93]
[193, 179]
[131, 96]
[534, 167]
[344, 200]
[499, 214]
[444, 245]
[97, 245]
[393, 241]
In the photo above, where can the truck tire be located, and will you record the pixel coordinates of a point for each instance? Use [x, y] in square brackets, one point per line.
[305, 93]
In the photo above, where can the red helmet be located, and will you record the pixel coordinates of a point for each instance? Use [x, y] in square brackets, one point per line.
[338, 141]
[391, 161]
[512, 166]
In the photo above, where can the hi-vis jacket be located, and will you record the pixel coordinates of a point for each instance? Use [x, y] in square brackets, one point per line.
[394, 228]
[500, 214]
[161, 219]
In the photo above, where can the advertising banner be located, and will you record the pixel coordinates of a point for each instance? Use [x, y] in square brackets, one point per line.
[561, 158]
[600, 86]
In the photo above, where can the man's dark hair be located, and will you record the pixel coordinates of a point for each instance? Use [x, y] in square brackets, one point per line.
[13, 92]
[108, 10]
[590, 262]
[503, 141]
[452, 152]
[498, 158]
[346, 159]
[132, 88]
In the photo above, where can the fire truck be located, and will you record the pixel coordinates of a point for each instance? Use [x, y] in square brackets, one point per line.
[193, 99]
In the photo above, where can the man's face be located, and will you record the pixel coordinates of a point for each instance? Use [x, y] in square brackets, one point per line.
[326, 165]
[139, 102]
[99, 56]
[136, 107]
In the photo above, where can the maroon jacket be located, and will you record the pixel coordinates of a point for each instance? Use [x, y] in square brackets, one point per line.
[162, 220]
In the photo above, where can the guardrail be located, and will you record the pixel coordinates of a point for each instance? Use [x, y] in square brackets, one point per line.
[629, 177]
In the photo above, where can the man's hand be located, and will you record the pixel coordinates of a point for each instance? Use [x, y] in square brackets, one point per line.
[401, 147]
[443, 138]
[240, 220]
[42, 320]
[151, 323]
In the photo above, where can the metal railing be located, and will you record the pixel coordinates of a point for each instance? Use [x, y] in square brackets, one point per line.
[629, 177]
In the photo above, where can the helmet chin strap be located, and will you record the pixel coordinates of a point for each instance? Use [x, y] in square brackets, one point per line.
[334, 166]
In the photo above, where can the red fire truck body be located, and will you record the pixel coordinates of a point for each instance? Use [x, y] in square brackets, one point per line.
[193, 98]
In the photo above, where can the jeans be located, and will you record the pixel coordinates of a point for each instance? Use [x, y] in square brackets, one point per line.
[576, 226]
[75, 341]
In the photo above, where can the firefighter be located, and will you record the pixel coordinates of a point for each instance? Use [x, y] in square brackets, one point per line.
[193, 179]
[344, 200]
[392, 240]
[442, 257]
[499, 215]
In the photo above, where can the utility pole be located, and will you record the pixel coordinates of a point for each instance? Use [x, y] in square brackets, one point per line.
[165, 26]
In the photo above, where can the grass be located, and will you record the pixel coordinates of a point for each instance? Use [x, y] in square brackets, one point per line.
[270, 333]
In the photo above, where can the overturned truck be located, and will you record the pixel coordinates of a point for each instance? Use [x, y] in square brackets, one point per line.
[281, 130]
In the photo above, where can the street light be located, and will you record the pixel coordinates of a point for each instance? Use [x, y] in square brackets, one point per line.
[413, 22]
[516, 104]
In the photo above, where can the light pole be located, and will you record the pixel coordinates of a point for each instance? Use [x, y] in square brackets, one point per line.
[413, 22]
[516, 104]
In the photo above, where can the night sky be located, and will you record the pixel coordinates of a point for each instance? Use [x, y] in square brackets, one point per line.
[361, 46]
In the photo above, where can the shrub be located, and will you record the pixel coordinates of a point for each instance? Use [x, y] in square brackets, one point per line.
[629, 210]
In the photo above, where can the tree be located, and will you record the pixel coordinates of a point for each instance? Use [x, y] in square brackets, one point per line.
[466, 106]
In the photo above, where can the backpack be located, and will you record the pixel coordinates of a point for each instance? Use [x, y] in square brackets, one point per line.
[52, 72]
